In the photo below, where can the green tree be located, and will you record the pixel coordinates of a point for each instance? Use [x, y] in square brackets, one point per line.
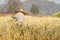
[34, 9]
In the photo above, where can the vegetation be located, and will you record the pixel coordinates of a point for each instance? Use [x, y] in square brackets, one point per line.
[14, 5]
[34, 9]
[33, 28]
[56, 14]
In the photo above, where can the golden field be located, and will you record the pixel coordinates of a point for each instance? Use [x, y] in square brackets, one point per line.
[33, 28]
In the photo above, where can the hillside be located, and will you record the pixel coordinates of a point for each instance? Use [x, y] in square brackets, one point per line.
[31, 29]
[56, 14]
[45, 7]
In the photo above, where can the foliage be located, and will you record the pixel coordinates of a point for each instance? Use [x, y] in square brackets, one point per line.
[34, 9]
[56, 14]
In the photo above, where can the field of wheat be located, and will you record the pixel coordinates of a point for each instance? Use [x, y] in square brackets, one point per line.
[32, 28]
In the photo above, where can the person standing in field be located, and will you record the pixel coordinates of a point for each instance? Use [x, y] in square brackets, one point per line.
[19, 16]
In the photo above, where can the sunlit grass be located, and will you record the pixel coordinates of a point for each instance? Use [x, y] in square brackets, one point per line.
[33, 28]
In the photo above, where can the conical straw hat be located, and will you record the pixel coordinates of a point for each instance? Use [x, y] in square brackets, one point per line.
[22, 11]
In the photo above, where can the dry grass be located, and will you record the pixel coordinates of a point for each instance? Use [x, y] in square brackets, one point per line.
[33, 28]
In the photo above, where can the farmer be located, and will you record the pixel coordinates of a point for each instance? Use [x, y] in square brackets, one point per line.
[19, 16]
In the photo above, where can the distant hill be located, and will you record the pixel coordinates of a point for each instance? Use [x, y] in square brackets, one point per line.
[3, 8]
[46, 7]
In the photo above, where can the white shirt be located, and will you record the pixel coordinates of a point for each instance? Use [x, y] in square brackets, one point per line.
[19, 17]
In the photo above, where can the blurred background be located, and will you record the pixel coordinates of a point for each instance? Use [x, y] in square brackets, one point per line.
[40, 7]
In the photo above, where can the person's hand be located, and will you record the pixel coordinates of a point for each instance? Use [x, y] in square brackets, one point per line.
[13, 17]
